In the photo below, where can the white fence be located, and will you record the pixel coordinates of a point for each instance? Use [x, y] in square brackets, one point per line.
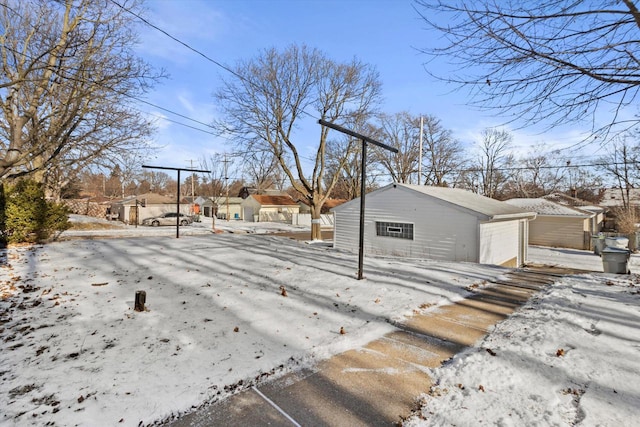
[304, 219]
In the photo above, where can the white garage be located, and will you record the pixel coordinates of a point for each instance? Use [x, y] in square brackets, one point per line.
[436, 223]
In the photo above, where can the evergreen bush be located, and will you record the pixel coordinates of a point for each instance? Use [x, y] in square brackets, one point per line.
[28, 216]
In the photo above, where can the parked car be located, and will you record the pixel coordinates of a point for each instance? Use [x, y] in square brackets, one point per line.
[168, 218]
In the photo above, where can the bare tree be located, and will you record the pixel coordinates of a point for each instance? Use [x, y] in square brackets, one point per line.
[587, 185]
[68, 79]
[494, 160]
[622, 163]
[270, 96]
[215, 180]
[155, 181]
[536, 174]
[443, 155]
[551, 60]
[216, 185]
[399, 131]
[261, 168]
[348, 186]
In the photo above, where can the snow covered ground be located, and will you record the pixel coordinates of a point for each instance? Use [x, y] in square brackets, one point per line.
[226, 310]
[571, 356]
[204, 227]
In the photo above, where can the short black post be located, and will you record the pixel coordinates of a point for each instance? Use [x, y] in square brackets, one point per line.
[141, 298]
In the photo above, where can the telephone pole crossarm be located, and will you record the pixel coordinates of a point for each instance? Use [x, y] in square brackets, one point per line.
[175, 169]
[364, 138]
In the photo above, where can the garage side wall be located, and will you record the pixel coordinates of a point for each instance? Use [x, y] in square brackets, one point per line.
[250, 209]
[439, 231]
[500, 243]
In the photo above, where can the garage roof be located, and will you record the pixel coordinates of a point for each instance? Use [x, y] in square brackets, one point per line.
[549, 208]
[490, 208]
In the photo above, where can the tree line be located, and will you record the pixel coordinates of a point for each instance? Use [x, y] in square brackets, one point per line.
[488, 166]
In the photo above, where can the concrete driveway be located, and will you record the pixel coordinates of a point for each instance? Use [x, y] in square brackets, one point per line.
[377, 385]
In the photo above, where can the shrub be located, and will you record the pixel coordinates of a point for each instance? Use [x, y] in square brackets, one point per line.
[626, 220]
[28, 216]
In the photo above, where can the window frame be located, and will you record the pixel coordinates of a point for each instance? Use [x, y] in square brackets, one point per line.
[405, 230]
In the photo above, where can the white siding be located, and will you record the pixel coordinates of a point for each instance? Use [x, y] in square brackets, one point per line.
[250, 207]
[440, 231]
[499, 242]
[247, 213]
[150, 211]
[304, 219]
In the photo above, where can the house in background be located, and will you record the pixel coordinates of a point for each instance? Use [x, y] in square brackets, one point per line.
[437, 223]
[558, 225]
[326, 216]
[326, 208]
[219, 206]
[195, 204]
[272, 208]
[613, 197]
[599, 218]
[248, 191]
[146, 206]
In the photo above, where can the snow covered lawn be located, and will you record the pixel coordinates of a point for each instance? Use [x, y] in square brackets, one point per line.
[224, 310]
[227, 310]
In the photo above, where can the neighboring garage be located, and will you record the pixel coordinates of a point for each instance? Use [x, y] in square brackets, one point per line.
[271, 208]
[558, 225]
[437, 223]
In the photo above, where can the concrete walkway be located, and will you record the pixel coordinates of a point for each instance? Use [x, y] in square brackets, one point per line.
[376, 385]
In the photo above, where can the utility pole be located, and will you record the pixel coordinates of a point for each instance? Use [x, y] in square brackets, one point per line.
[420, 151]
[192, 189]
[226, 182]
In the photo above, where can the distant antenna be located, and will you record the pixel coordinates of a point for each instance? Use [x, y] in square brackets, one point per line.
[420, 153]
[226, 182]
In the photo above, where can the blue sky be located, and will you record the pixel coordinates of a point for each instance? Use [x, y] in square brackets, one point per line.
[384, 33]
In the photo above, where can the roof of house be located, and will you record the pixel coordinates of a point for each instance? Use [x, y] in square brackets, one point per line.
[490, 208]
[332, 203]
[546, 207]
[566, 200]
[232, 200]
[274, 200]
[220, 201]
[329, 203]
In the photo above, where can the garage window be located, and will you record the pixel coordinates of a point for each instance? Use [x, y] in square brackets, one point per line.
[401, 230]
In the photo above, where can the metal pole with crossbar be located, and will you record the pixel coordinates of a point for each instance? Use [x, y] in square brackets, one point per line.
[178, 190]
[365, 140]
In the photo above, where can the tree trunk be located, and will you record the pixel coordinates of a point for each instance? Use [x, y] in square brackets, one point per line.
[316, 231]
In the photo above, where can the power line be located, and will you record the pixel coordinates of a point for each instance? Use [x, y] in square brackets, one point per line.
[126, 95]
[180, 123]
[198, 52]
[219, 64]
[170, 111]
[239, 76]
